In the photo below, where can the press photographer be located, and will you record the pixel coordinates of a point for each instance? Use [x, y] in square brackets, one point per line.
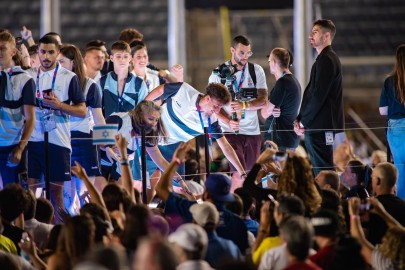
[247, 84]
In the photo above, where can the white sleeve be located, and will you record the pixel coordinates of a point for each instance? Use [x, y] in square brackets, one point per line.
[379, 261]
[214, 78]
[260, 77]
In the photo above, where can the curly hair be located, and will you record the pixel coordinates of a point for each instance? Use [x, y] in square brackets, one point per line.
[297, 179]
[392, 245]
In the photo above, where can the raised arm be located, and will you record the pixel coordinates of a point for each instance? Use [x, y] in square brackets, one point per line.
[379, 209]
[357, 231]
[163, 186]
[126, 175]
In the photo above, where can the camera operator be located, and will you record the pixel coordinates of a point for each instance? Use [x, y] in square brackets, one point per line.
[249, 91]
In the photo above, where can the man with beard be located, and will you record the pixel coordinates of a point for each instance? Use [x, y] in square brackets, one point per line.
[321, 114]
[247, 140]
[145, 115]
[58, 96]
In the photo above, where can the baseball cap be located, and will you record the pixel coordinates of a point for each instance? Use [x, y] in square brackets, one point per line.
[219, 186]
[190, 237]
[204, 213]
[325, 223]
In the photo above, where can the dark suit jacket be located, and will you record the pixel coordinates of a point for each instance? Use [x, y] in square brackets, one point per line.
[322, 104]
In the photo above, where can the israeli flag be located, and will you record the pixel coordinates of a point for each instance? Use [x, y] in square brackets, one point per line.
[105, 134]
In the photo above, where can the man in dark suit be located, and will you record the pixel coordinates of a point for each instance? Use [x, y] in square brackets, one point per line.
[321, 114]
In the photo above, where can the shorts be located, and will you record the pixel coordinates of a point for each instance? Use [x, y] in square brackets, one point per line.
[247, 148]
[167, 152]
[84, 152]
[10, 174]
[59, 161]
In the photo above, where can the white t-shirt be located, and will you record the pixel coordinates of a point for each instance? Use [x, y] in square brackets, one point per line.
[250, 124]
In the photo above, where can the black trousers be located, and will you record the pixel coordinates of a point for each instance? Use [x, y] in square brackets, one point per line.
[320, 154]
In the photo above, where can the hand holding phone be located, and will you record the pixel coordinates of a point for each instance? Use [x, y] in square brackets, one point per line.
[46, 93]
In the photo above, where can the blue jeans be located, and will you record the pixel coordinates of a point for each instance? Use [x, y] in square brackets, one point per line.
[396, 137]
[320, 154]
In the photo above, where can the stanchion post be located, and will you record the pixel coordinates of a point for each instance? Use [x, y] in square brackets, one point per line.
[207, 151]
[143, 165]
[47, 180]
[197, 153]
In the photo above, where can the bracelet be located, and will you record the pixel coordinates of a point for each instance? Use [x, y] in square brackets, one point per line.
[177, 160]
[353, 217]
[27, 38]
[243, 105]
[124, 162]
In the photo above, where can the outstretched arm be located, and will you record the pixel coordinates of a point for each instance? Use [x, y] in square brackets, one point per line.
[163, 186]
[230, 154]
[95, 196]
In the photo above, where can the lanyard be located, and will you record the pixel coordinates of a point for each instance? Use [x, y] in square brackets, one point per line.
[53, 79]
[242, 78]
[201, 120]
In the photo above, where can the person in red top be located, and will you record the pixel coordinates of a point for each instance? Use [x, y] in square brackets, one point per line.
[326, 227]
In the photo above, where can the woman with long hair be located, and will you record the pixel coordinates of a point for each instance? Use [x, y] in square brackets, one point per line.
[297, 178]
[146, 115]
[83, 150]
[390, 254]
[392, 104]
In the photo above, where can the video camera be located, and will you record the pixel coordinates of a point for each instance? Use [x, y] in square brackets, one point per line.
[225, 71]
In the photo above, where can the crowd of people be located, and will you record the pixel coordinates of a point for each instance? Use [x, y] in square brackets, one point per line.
[274, 208]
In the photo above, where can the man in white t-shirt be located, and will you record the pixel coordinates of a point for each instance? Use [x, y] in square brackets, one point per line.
[244, 133]
[58, 96]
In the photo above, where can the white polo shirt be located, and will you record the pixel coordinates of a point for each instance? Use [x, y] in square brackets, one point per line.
[67, 89]
[19, 90]
[180, 115]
